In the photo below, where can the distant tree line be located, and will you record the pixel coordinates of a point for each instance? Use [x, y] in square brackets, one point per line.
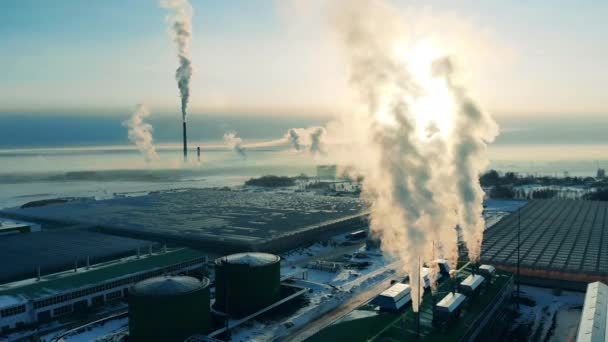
[598, 195]
[493, 178]
[271, 181]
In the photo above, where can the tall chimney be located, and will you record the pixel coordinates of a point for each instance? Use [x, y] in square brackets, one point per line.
[185, 142]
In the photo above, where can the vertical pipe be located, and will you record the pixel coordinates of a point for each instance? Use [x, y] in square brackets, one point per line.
[185, 142]
[419, 299]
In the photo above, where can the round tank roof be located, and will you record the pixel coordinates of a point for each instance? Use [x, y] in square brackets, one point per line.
[168, 286]
[251, 259]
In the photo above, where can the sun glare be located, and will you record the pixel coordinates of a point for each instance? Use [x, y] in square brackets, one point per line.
[432, 107]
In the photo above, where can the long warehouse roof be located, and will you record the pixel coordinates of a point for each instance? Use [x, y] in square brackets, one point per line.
[208, 215]
[57, 250]
[59, 282]
[560, 235]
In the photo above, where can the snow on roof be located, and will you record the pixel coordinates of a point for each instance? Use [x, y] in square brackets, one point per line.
[168, 286]
[451, 301]
[594, 318]
[396, 290]
[473, 281]
[252, 259]
[488, 268]
[6, 301]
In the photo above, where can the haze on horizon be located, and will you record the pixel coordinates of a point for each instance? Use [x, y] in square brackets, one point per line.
[267, 56]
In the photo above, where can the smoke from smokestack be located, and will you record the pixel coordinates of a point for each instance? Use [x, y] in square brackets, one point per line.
[415, 137]
[315, 140]
[235, 143]
[140, 133]
[294, 139]
[181, 33]
[311, 137]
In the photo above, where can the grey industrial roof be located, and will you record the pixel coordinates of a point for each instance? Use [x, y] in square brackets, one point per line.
[57, 250]
[594, 319]
[203, 214]
[451, 301]
[396, 290]
[168, 286]
[562, 235]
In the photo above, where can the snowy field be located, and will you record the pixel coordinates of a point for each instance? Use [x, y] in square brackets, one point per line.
[552, 317]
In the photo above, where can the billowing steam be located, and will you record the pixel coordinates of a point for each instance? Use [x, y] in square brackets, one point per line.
[140, 133]
[294, 139]
[235, 143]
[311, 138]
[181, 33]
[416, 137]
[315, 140]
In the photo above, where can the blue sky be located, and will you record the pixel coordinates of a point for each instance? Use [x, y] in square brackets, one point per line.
[264, 55]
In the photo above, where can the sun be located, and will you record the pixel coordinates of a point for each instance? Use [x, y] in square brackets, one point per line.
[432, 105]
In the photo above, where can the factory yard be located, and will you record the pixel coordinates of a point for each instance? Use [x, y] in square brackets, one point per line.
[343, 275]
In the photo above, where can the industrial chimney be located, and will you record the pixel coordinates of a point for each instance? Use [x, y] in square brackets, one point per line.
[185, 142]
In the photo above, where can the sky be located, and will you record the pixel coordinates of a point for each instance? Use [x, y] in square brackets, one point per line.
[523, 58]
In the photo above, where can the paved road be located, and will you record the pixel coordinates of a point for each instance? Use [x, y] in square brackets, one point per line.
[326, 319]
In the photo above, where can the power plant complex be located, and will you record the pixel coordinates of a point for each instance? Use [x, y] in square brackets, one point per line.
[221, 265]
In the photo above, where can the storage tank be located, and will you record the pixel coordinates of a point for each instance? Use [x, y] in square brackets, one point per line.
[168, 309]
[246, 282]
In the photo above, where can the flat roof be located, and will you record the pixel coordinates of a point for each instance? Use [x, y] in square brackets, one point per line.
[594, 318]
[57, 250]
[556, 235]
[8, 225]
[473, 281]
[396, 290]
[203, 215]
[451, 301]
[59, 282]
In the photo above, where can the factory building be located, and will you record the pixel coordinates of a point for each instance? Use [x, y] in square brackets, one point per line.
[562, 243]
[46, 298]
[52, 251]
[169, 309]
[15, 227]
[327, 172]
[246, 282]
[219, 221]
[593, 326]
[394, 298]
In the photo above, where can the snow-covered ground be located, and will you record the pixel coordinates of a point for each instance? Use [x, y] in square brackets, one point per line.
[494, 210]
[329, 289]
[553, 317]
[94, 332]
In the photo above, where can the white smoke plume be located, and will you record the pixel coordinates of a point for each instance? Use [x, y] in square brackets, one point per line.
[181, 33]
[416, 137]
[316, 140]
[294, 139]
[311, 138]
[235, 143]
[140, 133]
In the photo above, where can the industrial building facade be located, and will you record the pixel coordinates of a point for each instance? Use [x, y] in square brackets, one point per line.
[561, 242]
[40, 300]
